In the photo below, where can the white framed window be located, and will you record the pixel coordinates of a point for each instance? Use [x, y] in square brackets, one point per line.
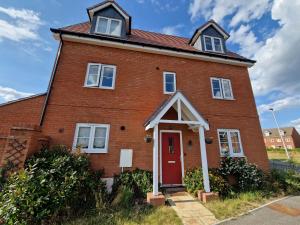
[100, 75]
[230, 143]
[92, 138]
[213, 44]
[287, 139]
[109, 26]
[169, 82]
[278, 140]
[267, 133]
[221, 88]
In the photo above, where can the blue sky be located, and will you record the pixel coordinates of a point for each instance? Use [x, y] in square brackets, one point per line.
[260, 29]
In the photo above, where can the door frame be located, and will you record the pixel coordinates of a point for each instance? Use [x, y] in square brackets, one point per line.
[181, 155]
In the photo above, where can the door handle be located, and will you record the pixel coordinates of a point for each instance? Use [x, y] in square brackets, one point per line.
[171, 162]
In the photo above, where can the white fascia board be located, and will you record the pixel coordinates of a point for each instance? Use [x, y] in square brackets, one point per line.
[134, 47]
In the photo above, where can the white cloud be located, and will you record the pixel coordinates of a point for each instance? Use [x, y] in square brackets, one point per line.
[284, 103]
[23, 25]
[247, 39]
[172, 30]
[278, 61]
[240, 10]
[9, 94]
[296, 124]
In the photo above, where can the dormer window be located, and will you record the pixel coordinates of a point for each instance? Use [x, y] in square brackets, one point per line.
[108, 26]
[213, 44]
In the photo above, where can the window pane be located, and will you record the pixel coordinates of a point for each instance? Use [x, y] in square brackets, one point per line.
[224, 142]
[236, 146]
[169, 83]
[99, 143]
[100, 132]
[217, 43]
[93, 75]
[102, 25]
[169, 87]
[115, 28]
[217, 88]
[107, 79]
[82, 142]
[227, 89]
[169, 78]
[92, 80]
[100, 137]
[208, 43]
[84, 132]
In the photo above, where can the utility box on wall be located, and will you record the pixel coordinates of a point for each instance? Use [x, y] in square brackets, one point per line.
[126, 158]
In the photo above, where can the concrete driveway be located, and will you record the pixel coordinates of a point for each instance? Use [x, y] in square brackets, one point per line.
[283, 212]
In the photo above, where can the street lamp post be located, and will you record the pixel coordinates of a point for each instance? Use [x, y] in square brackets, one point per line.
[285, 148]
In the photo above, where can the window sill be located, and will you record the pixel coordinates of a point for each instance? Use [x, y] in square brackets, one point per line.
[233, 156]
[92, 151]
[104, 88]
[226, 99]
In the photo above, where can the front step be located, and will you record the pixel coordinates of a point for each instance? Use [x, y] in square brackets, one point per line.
[171, 190]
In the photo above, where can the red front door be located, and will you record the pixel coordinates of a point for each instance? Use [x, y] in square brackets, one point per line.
[171, 163]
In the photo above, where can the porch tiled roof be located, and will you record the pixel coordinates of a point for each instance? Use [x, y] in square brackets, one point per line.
[151, 38]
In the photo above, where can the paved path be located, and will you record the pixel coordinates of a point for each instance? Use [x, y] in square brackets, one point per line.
[283, 212]
[190, 210]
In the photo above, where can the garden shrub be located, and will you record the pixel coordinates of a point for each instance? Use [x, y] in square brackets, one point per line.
[194, 181]
[139, 181]
[124, 198]
[248, 177]
[54, 185]
[283, 181]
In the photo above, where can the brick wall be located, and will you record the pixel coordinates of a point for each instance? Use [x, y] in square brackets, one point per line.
[138, 92]
[296, 139]
[21, 112]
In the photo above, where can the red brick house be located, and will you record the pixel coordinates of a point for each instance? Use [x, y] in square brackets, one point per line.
[164, 103]
[290, 136]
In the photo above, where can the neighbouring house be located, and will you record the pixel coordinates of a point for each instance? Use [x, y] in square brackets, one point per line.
[289, 135]
[137, 99]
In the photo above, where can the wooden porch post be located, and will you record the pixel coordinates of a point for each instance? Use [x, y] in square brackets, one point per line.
[155, 160]
[204, 159]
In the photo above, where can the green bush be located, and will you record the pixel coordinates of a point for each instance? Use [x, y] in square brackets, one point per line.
[283, 181]
[124, 198]
[55, 184]
[194, 181]
[139, 181]
[247, 176]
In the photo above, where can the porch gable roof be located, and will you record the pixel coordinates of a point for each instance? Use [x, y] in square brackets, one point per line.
[156, 117]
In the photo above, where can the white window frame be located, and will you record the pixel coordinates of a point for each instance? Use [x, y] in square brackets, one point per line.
[220, 80]
[164, 83]
[90, 149]
[100, 76]
[231, 154]
[108, 26]
[212, 39]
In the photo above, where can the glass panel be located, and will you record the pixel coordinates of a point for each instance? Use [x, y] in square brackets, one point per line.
[93, 75]
[99, 143]
[170, 83]
[224, 142]
[84, 132]
[100, 132]
[92, 80]
[236, 147]
[208, 44]
[217, 88]
[171, 145]
[102, 25]
[100, 137]
[82, 143]
[217, 43]
[227, 89]
[107, 79]
[115, 27]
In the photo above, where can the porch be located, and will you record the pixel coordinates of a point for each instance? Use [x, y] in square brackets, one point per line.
[168, 154]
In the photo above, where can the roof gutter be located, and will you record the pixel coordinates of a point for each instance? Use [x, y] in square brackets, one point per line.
[124, 43]
[54, 69]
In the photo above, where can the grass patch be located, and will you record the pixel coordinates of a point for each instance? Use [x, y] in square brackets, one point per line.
[137, 215]
[231, 207]
[279, 154]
